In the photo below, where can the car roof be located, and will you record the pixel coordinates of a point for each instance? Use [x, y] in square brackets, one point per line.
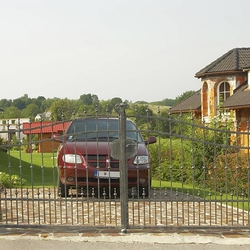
[97, 117]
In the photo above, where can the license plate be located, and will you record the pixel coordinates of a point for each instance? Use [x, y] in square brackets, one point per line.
[107, 174]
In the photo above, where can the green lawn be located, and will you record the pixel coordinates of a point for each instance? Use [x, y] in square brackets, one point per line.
[36, 168]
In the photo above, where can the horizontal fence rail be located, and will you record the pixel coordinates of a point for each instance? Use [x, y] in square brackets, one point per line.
[198, 174]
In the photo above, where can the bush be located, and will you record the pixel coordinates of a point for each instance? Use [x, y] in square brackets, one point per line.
[231, 173]
[7, 180]
[173, 160]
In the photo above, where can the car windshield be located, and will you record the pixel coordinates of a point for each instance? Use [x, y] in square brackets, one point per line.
[100, 129]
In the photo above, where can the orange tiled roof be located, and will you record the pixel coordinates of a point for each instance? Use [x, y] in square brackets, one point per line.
[45, 127]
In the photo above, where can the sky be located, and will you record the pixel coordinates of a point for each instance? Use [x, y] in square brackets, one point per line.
[137, 50]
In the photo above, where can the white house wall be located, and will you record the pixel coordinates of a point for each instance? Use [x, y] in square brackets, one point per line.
[13, 126]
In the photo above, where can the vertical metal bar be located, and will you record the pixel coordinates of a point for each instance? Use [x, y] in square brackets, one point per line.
[204, 167]
[226, 173]
[166, 206]
[182, 164]
[137, 174]
[38, 206]
[188, 214]
[155, 207]
[88, 195]
[27, 204]
[158, 115]
[5, 202]
[177, 206]
[243, 203]
[10, 171]
[29, 146]
[60, 206]
[98, 165]
[20, 168]
[93, 205]
[171, 167]
[66, 190]
[104, 207]
[49, 201]
[123, 170]
[42, 168]
[133, 206]
[82, 203]
[17, 209]
[76, 178]
[150, 175]
[71, 206]
[248, 172]
[193, 165]
[215, 172]
[237, 134]
[210, 207]
[115, 205]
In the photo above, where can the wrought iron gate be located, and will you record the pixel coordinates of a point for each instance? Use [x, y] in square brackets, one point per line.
[199, 176]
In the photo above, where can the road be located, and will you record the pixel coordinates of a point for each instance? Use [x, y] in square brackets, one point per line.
[71, 243]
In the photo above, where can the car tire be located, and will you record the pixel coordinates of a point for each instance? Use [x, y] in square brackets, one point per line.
[63, 190]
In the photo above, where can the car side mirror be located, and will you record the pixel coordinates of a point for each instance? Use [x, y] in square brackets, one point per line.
[151, 140]
[57, 137]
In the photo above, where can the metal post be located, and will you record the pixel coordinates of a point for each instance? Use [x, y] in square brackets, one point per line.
[123, 170]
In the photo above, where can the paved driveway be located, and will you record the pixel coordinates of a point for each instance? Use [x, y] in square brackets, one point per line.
[44, 207]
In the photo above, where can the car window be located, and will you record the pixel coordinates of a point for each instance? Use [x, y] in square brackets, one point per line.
[100, 129]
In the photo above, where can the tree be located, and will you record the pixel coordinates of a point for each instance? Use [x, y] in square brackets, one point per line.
[86, 99]
[89, 99]
[61, 109]
[12, 112]
[4, 103]
[183, 96]
[38, 101]
[46, 104]
[30, 111]
[115, 104]
[19, 103]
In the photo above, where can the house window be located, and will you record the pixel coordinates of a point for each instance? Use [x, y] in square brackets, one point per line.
[224, 91]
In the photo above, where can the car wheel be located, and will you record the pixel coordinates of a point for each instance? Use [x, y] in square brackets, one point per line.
[63, 190]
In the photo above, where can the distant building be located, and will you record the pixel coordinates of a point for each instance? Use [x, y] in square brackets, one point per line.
[11, 127]
[43, 116]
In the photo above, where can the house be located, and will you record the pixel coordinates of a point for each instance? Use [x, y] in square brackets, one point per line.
[45, 131]
[43, 116]
[224, 86]
[12, 127]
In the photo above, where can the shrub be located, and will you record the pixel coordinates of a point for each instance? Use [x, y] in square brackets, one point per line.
[7, 180]
[230, 173]
[173, 160]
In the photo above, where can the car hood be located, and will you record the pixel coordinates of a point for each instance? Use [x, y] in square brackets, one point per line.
[95, 148]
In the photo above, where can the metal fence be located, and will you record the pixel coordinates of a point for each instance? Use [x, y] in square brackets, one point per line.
[198, 175]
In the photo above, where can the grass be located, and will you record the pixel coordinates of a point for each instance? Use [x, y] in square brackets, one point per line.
[155, 108]
[42, 173]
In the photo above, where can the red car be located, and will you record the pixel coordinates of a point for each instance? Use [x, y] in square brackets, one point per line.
[84, 157]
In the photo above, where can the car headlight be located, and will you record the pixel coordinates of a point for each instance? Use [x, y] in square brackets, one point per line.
[71, 158]
[141, 159]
